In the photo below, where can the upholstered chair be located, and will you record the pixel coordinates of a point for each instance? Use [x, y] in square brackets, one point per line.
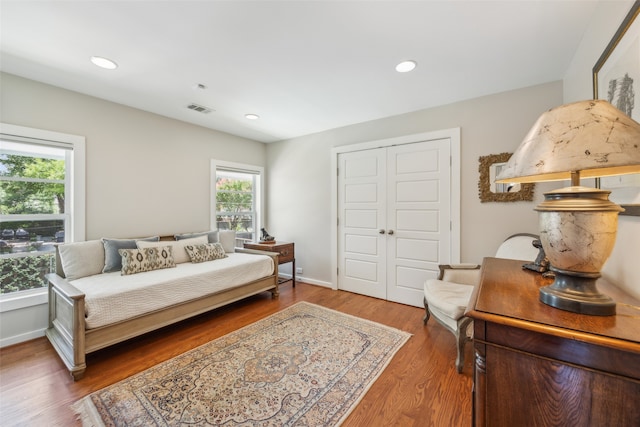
[447, 297]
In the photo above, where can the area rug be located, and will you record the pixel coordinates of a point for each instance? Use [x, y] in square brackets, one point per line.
[303, 366]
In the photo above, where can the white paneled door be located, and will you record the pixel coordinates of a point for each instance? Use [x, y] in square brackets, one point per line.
[393, 219]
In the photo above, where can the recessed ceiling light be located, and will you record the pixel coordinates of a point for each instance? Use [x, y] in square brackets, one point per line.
[406, 66]
[252, 116]
[104, 62]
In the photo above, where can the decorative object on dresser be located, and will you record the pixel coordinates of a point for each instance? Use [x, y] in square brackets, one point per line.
[266, 238]
[286, 253]
[447, 297]
[305, 365]
[577, 224]
[538, 366]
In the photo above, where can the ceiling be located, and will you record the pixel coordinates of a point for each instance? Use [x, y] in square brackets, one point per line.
[302, 66]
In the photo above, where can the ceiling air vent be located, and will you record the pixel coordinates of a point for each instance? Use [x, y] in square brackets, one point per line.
[199, 108]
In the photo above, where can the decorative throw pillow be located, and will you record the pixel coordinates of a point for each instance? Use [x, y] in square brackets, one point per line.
[112, 258]
[81, 259]
[228, 240]
[177, 246]
[206, 252]
[146, 259]
[211, 235]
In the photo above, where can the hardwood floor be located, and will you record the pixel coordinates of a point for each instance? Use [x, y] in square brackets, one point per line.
[420, 387]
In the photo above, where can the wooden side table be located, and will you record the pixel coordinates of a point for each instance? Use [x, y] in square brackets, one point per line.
[540, 366]
[286, 253]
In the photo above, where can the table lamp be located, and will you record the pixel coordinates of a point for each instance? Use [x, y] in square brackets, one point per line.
[578, 224]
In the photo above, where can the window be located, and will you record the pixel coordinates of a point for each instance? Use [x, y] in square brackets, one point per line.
[237, 198]
[40, 206]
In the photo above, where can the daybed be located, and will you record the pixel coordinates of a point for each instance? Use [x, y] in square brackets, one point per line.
[107, 291]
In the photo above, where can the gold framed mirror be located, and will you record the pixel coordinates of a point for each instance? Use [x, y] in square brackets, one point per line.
[489, 191]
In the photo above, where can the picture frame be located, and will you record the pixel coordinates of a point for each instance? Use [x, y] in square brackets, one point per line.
[616, 78]
[490, 192]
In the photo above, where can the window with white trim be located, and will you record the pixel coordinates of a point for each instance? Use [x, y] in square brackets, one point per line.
[39, 171]
[237, 198]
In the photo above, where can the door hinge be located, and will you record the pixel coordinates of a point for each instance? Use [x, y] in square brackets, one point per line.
[338, 271]
[338, 222]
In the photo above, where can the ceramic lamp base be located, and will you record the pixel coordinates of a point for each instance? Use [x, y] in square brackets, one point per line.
[578, 294]
[577, 231]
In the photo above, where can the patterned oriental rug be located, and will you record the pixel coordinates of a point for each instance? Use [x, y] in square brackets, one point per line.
[303, 366]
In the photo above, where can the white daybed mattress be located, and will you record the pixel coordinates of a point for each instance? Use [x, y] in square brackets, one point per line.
[111, 297]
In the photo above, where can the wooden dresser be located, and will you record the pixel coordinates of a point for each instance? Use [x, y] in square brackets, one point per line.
[536, 365]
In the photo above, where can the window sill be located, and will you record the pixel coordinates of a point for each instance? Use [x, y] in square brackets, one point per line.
[23, 299]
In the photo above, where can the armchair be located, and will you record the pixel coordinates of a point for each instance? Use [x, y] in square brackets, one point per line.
[447, 297]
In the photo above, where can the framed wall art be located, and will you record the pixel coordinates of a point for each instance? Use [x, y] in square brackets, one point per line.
[490, 191]
[616, 78]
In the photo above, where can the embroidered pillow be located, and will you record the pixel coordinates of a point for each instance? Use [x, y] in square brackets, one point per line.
[112, 258]
[206, 252]
[177, 247]
[145, 259]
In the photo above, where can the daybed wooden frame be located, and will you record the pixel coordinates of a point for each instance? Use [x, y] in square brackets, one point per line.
[73, 342]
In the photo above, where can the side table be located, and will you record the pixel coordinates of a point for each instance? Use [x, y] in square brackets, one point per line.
[286, 253]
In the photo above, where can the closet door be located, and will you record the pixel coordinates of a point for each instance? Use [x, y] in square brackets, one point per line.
[393, 219]
[418, 217]
[362, 209]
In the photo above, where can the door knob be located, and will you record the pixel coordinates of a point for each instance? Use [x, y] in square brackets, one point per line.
[390, 232]
[381, 231]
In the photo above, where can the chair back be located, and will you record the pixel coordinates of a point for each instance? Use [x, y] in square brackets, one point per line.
[519, 246]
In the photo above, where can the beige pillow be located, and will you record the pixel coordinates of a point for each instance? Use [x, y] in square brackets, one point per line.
[179, 253]
[81, 259]
[227, 240]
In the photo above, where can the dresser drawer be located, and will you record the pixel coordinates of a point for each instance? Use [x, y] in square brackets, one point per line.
[285, 250]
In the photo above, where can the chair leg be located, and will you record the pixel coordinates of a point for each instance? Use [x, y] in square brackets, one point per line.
[461, 339]
[427, 315]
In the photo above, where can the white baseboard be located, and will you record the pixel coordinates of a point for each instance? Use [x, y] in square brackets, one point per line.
[309, 280]
[16, 339]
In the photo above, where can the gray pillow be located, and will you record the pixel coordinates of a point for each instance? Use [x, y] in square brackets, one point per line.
[211, 235]
[112, 258]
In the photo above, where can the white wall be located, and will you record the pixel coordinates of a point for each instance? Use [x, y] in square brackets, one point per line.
[622, 267]
[145, 174]
[299, 173]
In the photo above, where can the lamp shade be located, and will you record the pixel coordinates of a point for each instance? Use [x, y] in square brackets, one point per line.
[590, 137]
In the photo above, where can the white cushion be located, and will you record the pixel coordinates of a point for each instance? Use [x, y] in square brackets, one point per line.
[180, 254]
[518, 247]
[228, 240]
[463, 276]
[81, 259]
[448, 297]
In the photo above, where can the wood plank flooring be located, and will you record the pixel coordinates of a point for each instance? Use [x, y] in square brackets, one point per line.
[420, 387]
